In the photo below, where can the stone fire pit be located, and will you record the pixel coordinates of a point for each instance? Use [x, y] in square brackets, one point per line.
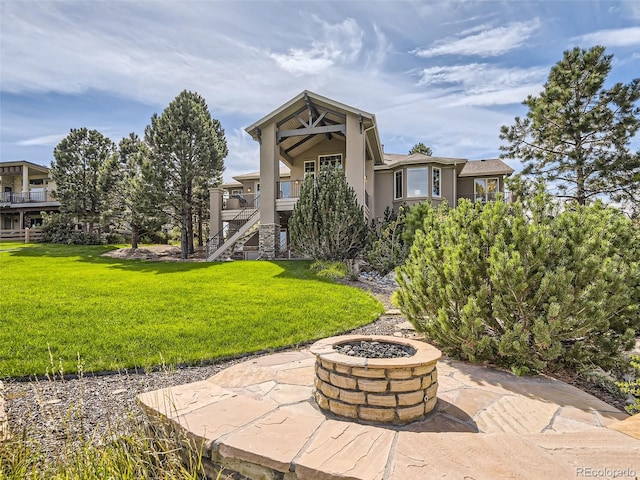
[381, 390]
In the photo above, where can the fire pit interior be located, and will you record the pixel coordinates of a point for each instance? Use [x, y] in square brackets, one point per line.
[379, 379]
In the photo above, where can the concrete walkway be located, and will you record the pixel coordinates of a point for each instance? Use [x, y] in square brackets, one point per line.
[259, 418]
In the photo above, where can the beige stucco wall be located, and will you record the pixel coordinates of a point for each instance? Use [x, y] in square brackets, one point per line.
[355, 158]
[384, 192]
[384, 185]
[326, 147]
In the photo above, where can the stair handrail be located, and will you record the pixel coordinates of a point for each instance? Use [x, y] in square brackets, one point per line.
[246, 214]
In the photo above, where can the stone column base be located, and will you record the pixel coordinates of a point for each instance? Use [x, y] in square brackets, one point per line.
[269, 240]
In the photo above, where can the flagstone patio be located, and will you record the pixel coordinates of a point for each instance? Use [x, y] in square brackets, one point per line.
[259, 418]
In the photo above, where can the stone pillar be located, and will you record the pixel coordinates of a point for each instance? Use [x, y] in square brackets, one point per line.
[215, 211]
[269, 240]
[354, 163]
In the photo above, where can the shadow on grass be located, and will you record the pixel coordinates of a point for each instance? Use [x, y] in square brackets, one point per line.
[295, 269]
[95, 254]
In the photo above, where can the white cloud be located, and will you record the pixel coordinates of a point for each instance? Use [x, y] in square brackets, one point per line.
[340, 43]
[484, 84]
[46, 140]
[614, 37]
[244, 154]
[377, 56]
[488, 43]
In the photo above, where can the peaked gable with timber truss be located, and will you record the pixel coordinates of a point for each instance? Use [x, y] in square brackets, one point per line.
[251, 214]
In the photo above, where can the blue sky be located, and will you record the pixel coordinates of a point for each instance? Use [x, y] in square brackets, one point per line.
[447, 73]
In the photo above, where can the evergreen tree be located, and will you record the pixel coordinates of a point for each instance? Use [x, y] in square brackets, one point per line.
[421, 148]
[576, 134]
[525, 285]
[187, 149]
[385, 247]
[80, 159]
[327, 223]
[133, 191]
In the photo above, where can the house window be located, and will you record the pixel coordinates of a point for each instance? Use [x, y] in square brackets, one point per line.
[310, 168]
[485, 189]
[397, 185]
[435, 182]
[417, 181]
[333, 160]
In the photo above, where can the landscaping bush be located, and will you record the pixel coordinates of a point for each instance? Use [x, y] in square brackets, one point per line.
[630, 385]
[527, 285]
[327, 223]
[328, 269]
[385, 248]
[60, 228]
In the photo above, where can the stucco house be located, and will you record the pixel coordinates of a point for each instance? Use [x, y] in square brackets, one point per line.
[250, 215]
[25, 191]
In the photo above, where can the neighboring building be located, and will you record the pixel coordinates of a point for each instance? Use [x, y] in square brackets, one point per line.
[311, 131]
[25, 191]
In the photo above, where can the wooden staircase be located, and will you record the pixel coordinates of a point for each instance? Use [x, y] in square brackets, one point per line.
[222, 246]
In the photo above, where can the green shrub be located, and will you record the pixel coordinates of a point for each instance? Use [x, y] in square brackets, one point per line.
[327, 222]
[328, 269]
[526, 286]
[385, 248]
[60, 228]
[631, 385]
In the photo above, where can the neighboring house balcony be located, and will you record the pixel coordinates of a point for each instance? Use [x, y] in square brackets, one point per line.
[237, 202]
[20, 199]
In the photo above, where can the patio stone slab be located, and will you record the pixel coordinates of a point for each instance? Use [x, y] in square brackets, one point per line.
[605, 449]
[275, 440]
[629, 426]
[473, 456]
[211, 422]
[515, 414]
[345, 450]
[176, 401]
[259, 418]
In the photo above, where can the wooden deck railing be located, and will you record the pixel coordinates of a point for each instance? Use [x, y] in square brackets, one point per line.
[25, 235]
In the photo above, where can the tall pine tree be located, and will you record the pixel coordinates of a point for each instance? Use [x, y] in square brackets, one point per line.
[187, 149]
[577, 132]
[80, 159]
[131, 182]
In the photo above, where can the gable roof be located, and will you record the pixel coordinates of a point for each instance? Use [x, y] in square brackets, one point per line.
[288, 118]
[492, 166]
[298, 101]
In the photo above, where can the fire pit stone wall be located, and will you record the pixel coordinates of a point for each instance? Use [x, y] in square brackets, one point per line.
[379, 390]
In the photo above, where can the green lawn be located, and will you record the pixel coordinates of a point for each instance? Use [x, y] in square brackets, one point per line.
[112, 314]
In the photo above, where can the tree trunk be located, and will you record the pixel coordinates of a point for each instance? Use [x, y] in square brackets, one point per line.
[135, 233]
[184, 234]
[200, 226]
[192, 250]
